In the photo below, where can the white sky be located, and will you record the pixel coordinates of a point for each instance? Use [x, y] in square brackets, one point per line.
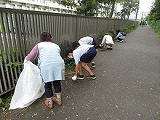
[144, 7]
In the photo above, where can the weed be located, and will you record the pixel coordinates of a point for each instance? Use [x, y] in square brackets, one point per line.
[5, 100]
[69, 64]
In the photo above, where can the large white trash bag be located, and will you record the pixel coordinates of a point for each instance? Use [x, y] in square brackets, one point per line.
[28, 88]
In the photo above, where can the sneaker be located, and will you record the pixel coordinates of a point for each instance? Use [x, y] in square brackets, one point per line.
[93, 64]
[121, 40]
[74, 78]
[80, 77]
[110, 48]
[100, 45]
[91, 76]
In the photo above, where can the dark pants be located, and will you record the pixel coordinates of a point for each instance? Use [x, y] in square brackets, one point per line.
[119, 39]
[88, 57]
[48, 88]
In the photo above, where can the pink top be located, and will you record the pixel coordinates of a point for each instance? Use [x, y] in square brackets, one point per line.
[33, 55]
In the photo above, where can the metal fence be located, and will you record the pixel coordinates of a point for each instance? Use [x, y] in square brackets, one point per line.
[20, 31]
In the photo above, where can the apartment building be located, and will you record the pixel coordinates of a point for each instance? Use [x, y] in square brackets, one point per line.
[36, 5]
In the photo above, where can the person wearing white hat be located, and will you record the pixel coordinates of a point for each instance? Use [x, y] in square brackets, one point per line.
[107, 42]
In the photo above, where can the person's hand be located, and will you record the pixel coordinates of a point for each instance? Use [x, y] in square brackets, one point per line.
[74, 77]
[26, 59]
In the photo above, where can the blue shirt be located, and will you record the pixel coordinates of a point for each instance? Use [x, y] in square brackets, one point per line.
[120, 35]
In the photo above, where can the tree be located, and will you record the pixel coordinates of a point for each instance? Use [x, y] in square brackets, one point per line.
[105, 8]
[155, 12]
[68, 3]
[129, 6]
[113, 2]
[87, 7]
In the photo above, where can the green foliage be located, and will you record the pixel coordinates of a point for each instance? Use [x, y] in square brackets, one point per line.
[5, 101]
[95, 7]
[126, 30]
[155, 12]
[155, 24]
[154, 17]
[0, 28]
[129, 29]
[69, 64]
[113, 34]
[87, 7]
[14, 64]
[128, 7]
[68, 3]
[1, 102]
[118, 15]
[0, 55]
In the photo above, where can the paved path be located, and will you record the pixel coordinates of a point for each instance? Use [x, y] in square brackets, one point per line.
[127, 86]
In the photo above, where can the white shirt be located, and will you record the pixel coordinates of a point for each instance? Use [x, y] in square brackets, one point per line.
[86, 40]
[77, 53]
[108, 39]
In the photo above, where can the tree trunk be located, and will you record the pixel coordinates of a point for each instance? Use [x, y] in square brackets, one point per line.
[136, 17]
[112, 9]
[129, 11]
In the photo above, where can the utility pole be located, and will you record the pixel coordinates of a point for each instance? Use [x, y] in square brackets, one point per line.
[142, 15]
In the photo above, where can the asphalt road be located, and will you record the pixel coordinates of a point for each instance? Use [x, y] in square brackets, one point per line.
[127, 86]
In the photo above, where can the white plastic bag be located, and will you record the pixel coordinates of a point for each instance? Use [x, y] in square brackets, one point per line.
[28, 88]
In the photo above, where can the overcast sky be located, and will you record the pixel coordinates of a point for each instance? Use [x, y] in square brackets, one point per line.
[144, 7]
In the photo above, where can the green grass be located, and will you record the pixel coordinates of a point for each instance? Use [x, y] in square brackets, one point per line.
[155, 26]
[5, 100]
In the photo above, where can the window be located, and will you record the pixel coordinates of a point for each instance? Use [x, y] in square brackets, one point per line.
[19, 6]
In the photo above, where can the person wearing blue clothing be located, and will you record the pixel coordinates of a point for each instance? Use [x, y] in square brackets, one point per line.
[120, 36]
[51, 66]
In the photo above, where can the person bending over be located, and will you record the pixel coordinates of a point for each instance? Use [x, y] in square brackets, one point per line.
[120, 36]
[90, 41]
[82, 55]
[51, 66]
[107, 42]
